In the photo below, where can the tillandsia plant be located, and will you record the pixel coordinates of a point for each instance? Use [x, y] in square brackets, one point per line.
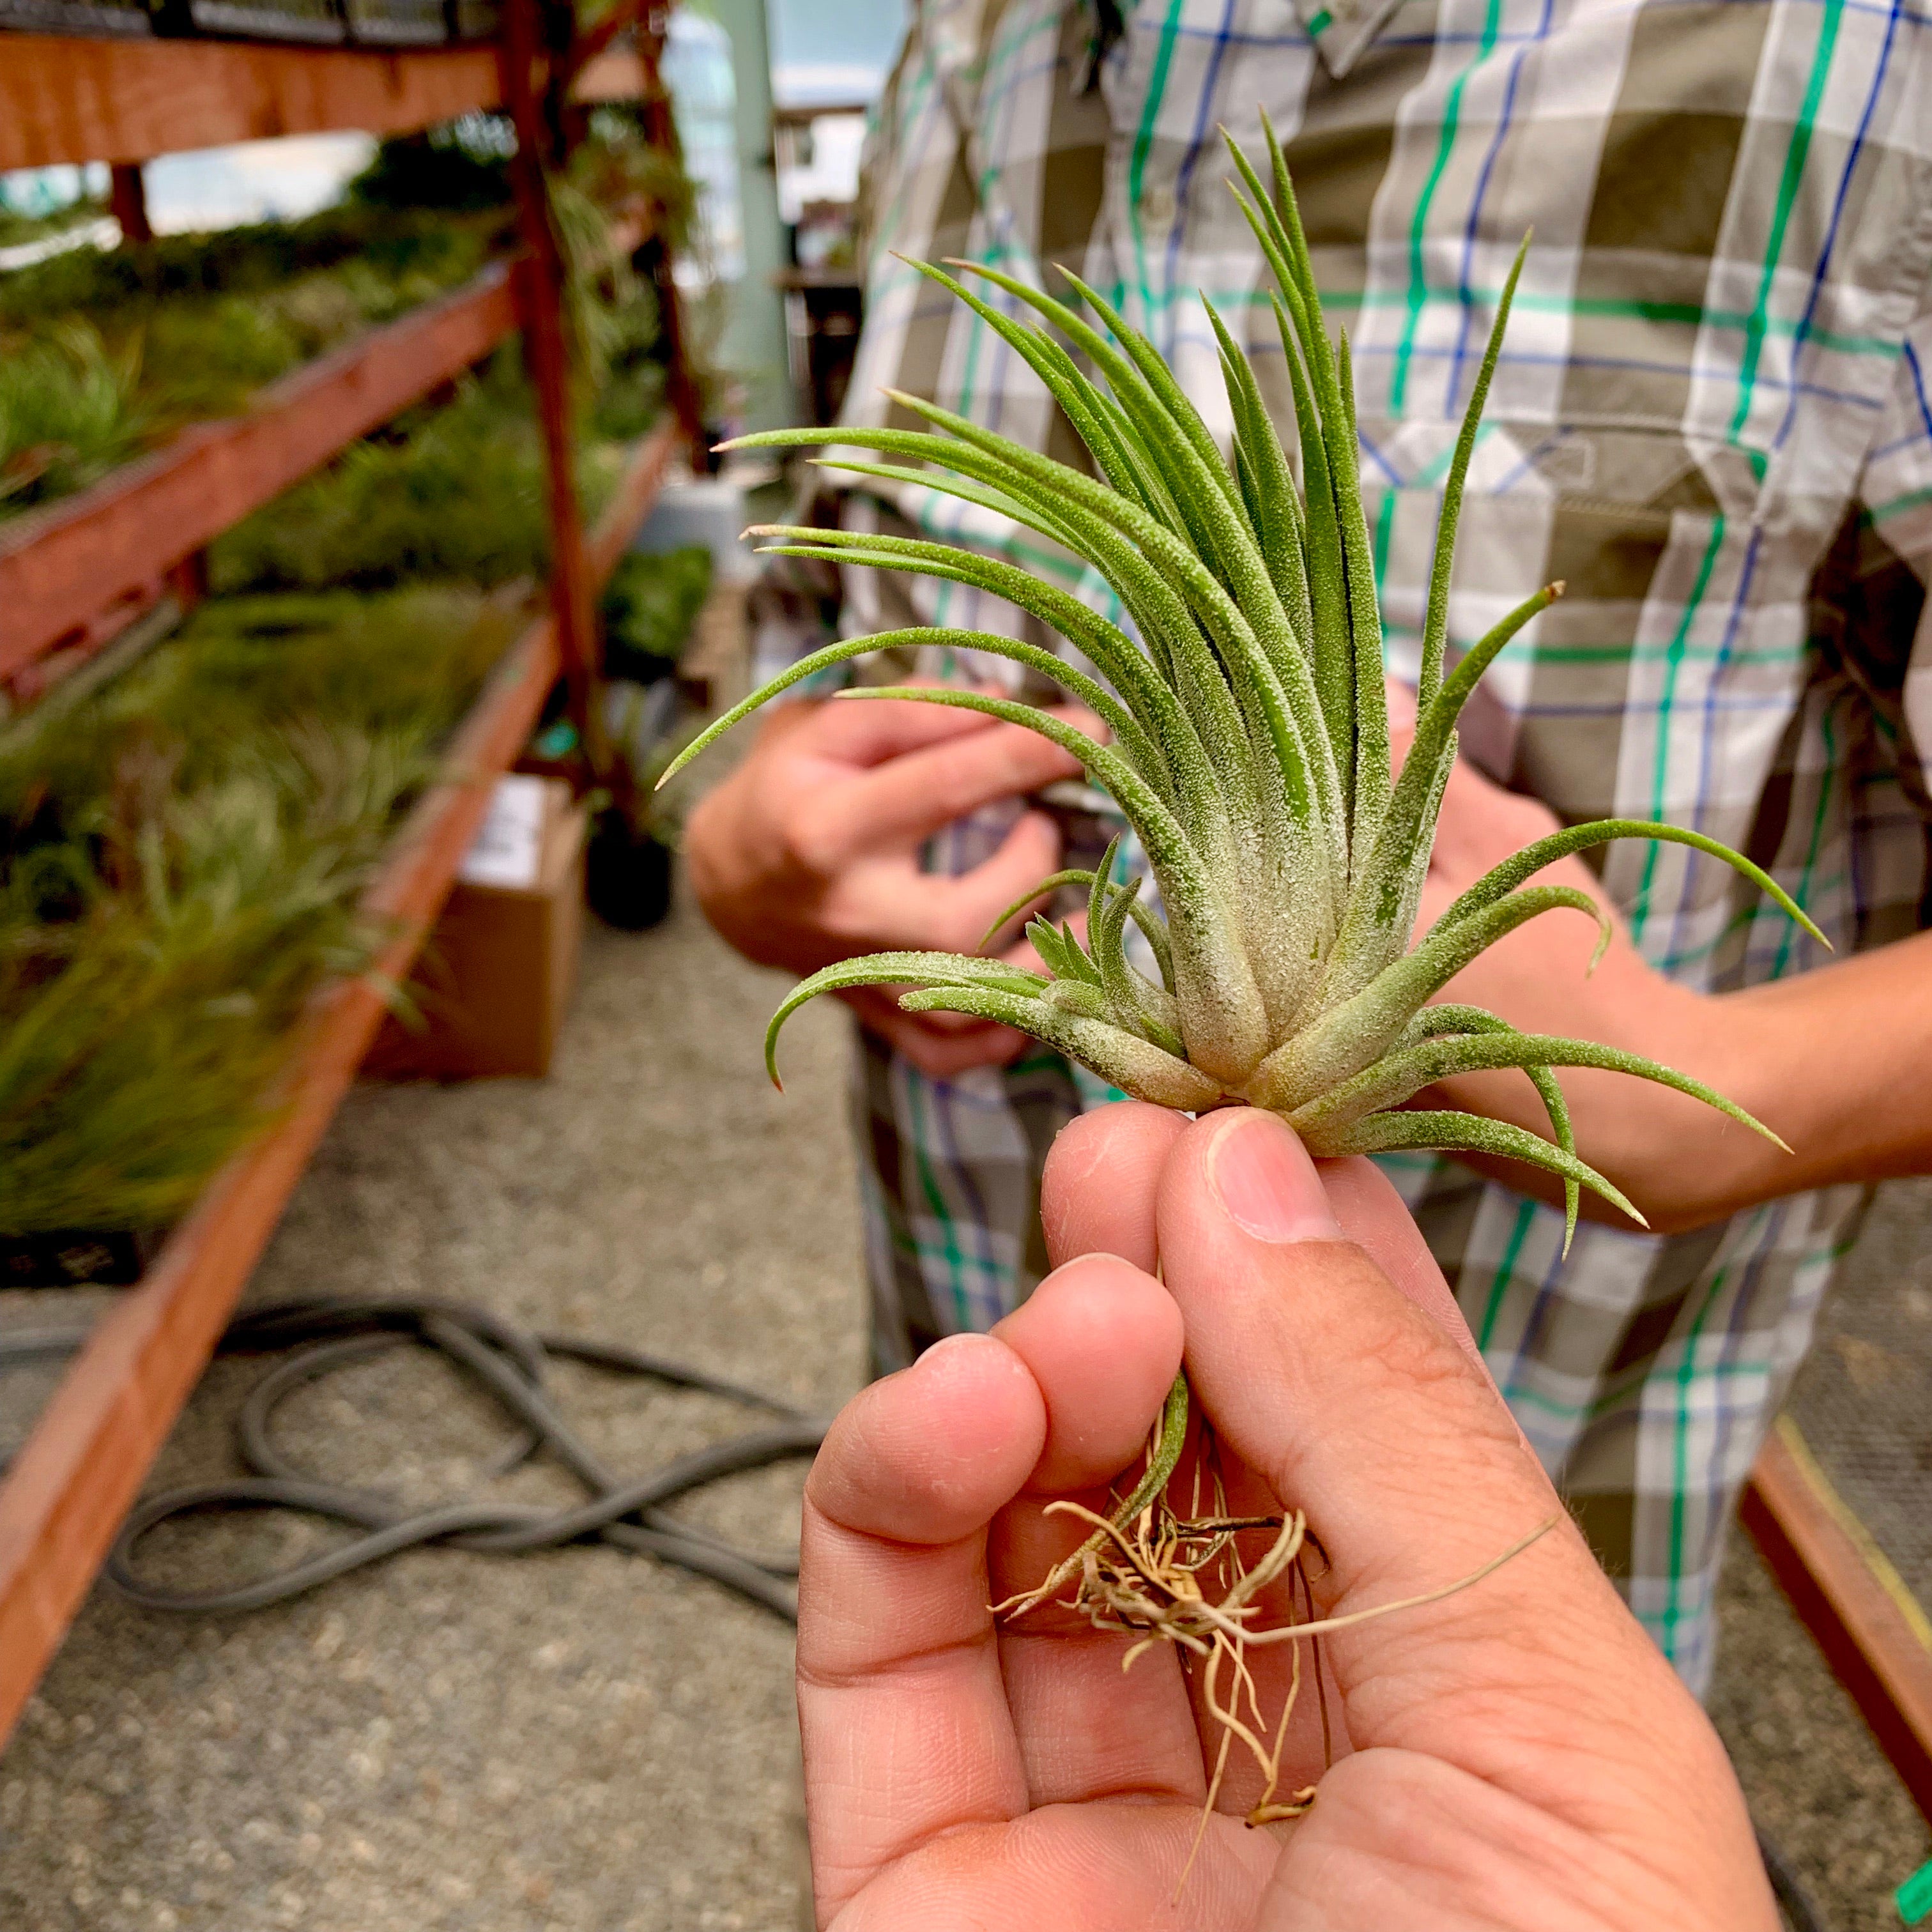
[1250, 750]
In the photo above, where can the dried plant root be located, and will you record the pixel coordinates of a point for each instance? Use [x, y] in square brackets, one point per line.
[1140, 1573]
[1169, 1438]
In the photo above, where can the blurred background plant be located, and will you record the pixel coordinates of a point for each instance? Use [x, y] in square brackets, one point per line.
[104, 353]
[184, 856]
[185, 840]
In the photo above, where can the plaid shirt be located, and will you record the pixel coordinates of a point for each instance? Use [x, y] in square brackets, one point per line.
[1710, 419]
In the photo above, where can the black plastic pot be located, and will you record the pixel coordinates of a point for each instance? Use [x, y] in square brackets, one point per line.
[78, 1257]
[627, 874]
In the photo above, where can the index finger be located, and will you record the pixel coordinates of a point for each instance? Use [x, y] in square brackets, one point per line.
[902, 1706]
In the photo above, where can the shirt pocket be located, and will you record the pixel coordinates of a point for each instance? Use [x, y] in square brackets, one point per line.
[1587, 708]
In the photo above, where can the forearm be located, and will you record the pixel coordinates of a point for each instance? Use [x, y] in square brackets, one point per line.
[1838, 1062]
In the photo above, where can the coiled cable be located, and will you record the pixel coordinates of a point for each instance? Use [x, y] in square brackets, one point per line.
[509, 1362]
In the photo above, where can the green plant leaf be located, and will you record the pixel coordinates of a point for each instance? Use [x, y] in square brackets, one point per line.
[1447, 1018]
[1451, 1133]
[898, 969]
[1136, 1066]
[1513, 872]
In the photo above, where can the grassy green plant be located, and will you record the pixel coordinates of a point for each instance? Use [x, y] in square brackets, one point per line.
[67, 415]
[649, 604]
[184, 856]
[102, 354]
[451, 493]
[1249, 741]
[140, 1038]
[253, 259]
[455, 493]
[17, 227]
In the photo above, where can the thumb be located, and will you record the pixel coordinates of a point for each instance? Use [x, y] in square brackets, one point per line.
[1353, 1404]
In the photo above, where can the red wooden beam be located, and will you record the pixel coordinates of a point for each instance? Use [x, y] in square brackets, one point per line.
[542, 282]
[63, 567]
[1872, 1634]
[64, 100]
[68, 99]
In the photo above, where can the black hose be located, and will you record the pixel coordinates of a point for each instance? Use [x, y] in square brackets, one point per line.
[1795, 1903]
[508, 1361]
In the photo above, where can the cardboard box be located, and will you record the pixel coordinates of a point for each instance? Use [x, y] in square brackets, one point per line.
[491, 985]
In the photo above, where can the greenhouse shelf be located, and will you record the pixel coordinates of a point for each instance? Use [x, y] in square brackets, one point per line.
[1864, 1630]
[75, 100]
[630, 502]
[96, 558]
[65, 1495]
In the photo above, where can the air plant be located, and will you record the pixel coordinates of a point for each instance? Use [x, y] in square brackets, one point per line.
[67, 413]
[1249, 750]
[1249, 747]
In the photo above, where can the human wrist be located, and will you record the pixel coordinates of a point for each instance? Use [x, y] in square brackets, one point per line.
[1687, 1166]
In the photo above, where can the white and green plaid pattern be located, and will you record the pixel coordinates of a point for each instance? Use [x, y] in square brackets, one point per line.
[1710, 419]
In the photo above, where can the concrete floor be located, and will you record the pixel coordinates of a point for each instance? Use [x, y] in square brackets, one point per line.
[585, 1739]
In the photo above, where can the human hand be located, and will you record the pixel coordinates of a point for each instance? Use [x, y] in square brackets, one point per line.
[1517, 1757]
[808, 853]
[1681, 1163]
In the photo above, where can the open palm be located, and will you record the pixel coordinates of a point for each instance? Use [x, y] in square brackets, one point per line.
[1515, 1756]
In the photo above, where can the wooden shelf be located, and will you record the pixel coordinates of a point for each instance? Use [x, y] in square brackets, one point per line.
[74, 571]
[63, 1498]
[91, 562]
[72, 100]
[630, 502]
[1865, 1634]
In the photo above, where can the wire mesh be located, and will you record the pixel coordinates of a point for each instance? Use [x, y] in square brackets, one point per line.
[1863, 1401]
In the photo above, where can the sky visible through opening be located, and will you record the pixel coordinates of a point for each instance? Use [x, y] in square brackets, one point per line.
[832, 50]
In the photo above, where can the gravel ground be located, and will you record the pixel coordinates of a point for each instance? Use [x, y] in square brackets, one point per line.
[585, 1739]
[580, 1739]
